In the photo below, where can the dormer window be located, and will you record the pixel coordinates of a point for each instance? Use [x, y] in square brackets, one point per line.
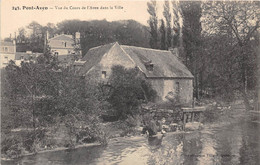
[149, 66]
[104, 74]
[177, 88]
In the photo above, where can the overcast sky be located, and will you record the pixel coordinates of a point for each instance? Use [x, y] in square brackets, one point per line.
[11, 19]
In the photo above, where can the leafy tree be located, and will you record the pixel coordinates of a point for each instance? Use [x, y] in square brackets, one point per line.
[163, 35]
[36, 39]
[129, 88]
[191, 12]
[176, 39]
[238, 23]
[100, 32]
[168, 17]
[153, 23]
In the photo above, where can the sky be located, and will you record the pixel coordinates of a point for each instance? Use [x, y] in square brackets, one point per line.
[12, 19]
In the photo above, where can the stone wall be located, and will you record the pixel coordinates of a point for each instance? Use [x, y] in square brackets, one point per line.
[170, 116]
[115, 56]
[164, 86]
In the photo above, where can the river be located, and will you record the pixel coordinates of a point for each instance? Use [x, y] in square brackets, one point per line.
[236, 143]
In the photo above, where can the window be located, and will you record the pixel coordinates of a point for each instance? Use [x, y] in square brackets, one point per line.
[6, 49]
[6, 60]
[177, 88]
[149, 66]
[65, 44]
[21, 57]
[104, 74]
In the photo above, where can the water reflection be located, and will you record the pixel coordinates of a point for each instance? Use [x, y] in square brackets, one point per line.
[233, 144]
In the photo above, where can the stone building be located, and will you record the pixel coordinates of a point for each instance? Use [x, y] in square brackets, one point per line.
[167, 74]
[7, 52]
[65, 47]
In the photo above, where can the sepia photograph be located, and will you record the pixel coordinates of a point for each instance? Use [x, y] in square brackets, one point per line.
[130, 82]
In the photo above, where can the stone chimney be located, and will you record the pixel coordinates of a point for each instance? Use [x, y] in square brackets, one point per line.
[14, 42]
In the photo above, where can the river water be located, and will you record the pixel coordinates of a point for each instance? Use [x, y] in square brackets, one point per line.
[231, 144]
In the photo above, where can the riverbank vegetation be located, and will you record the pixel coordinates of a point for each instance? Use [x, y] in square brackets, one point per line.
[46, 106]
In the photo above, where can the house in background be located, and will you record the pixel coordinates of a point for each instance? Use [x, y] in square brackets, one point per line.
[7, 52]
[166, 73]
[27, 56]
[65, 47]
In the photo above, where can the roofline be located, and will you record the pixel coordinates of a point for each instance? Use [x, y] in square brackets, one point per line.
[103, 45]
[170, 77]
[60, 35]
[148, 48]
[2, 53]
[61, 48]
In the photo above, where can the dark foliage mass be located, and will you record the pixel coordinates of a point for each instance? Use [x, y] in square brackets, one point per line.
[129, 90]
[93, 33]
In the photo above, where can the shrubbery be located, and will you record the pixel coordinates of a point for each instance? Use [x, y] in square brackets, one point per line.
[128, 90]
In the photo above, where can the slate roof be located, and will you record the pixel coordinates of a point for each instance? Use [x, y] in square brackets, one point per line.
[93, 56]
[165, 63]
[63, 37]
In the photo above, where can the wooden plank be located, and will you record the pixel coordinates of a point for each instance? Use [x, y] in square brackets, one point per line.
[184, 121]
[192, 116]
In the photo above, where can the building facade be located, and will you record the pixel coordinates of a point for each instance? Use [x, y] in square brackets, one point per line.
[64, 44]
[168, 76]
[7, 53]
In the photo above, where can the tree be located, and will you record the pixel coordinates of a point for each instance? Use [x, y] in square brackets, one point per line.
[36, 39]
[191, 13]
[167, 15]
[238, 22]
[99, 32]
[176, 39]
[153, 23]
[163, 36]
[21, 35]
[129, 89]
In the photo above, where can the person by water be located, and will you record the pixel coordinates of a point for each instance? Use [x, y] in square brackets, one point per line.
[154, 132]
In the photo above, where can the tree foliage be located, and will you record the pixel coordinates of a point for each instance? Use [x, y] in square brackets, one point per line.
[100, 32]
[191, 35]
[177, 30]
[163, 36]
[153, 23]
[233, 25]
[168, 17]
[129, 90]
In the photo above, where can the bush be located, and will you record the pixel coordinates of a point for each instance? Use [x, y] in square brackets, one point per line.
[12, 147]
[129, 90]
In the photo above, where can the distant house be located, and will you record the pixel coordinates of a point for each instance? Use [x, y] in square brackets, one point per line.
[65, 47]
[7, 52]
[61, 44]
[167, 74]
